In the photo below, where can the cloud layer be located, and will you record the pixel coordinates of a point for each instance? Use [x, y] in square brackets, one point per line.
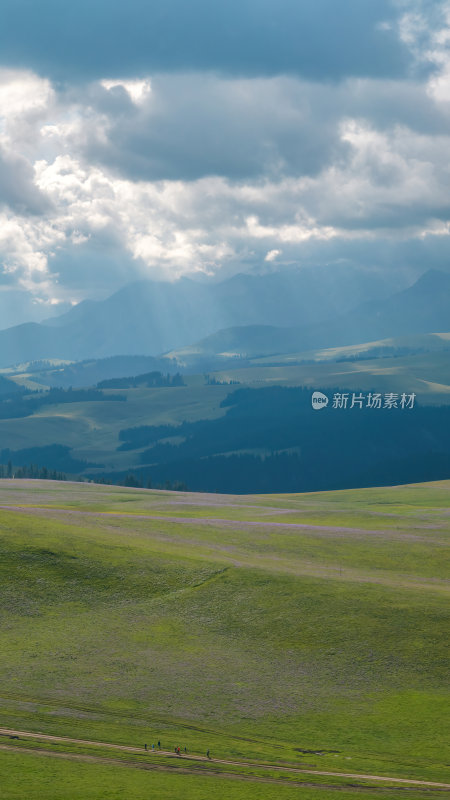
[317, 40]
[325, 139]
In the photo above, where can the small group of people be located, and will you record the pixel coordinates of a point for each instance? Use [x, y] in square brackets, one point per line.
[177, 749]
[153, 746]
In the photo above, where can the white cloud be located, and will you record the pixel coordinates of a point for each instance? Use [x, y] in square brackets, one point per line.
[428, 36]
[22, 92]
[330, 165]
[138, 90]
[271, 255]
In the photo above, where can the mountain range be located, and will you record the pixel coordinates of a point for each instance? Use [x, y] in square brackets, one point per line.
[420, 309]
[287, 311]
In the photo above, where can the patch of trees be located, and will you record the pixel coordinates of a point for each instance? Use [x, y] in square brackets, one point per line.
[70, 395]
[55, 456]
[31, 471]
[148, 379]
[134, 438]
[41, 365]
[134, 482]
[383, 351]
[210, 380]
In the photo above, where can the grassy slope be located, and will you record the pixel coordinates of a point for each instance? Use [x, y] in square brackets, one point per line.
[427, 342]
[426, 374]
[243, 638]
[92, 428]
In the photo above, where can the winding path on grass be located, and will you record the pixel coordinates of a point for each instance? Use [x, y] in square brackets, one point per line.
[168, 754]
[210, 773]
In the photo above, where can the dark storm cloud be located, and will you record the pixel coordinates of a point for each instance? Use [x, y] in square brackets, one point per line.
[196, 125]
[17, 189]
[319, 39]
[190, 126]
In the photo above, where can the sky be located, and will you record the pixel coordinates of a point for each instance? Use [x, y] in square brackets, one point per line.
[160, 138]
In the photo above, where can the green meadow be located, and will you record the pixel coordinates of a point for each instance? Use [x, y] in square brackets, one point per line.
[304, 631]
[36, 777]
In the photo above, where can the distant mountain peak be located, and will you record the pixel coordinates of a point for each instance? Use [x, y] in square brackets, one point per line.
[433, 279]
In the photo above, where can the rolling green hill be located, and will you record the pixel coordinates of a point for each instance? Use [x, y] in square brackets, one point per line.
[394, 347]
[276, 345]
[426, 373]
[298, 630]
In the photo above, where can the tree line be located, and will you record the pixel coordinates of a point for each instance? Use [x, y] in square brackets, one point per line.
[31, 471]
[148, 379]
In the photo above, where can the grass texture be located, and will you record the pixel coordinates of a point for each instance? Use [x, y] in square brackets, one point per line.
[306, 630]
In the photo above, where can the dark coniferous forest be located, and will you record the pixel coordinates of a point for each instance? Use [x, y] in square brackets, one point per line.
[271, 439]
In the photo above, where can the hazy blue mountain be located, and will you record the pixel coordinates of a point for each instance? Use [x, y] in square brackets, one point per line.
[151, 317]
[420, 309]
[29, 342]
[18, 306]
[424, 307]
[245, 341]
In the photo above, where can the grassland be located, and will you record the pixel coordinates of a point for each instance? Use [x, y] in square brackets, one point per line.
[426, 374]
[92, 428]
[298, 630]
[35, 777]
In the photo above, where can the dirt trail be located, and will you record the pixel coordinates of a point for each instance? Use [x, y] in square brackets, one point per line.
[186, 758]
[211, 773]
